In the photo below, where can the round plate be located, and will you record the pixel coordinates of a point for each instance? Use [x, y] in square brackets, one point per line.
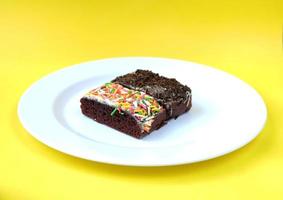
[226, 114]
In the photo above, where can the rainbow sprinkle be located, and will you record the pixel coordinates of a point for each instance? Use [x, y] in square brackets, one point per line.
[141, 106]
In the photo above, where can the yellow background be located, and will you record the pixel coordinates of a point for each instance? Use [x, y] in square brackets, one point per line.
[240, 37]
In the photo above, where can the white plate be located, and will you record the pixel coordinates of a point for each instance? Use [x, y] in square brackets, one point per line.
[226, 114]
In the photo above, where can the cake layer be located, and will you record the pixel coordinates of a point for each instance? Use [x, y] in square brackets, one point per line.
[121, 122]
[172, 95]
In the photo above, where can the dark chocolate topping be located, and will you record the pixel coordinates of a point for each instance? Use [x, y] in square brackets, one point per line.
[167, 91]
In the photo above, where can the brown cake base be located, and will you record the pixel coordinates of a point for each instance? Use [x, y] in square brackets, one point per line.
[123, 122]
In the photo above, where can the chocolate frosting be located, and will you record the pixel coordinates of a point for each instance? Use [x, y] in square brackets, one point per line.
[167, 91]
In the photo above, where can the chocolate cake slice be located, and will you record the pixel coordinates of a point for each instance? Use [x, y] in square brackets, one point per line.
[137, 103]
